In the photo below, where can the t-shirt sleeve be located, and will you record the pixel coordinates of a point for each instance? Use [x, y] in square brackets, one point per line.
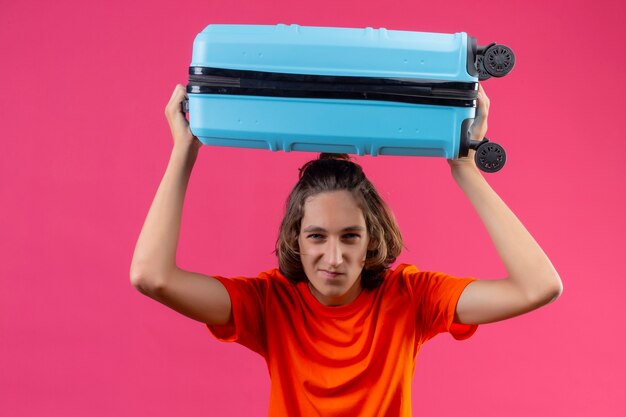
[247, 320]
[436, 296]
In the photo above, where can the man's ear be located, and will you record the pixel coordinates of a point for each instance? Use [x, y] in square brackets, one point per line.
[372, 245]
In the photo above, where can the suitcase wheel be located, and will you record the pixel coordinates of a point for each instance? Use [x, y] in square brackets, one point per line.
[489, 156]
[482, 73]
[498, 60]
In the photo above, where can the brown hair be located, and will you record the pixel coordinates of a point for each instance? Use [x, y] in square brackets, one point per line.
[335, 172]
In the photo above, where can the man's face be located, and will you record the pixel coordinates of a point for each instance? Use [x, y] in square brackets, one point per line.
[333, 244]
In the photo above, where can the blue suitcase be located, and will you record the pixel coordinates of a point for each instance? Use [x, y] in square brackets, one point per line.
[342, 90]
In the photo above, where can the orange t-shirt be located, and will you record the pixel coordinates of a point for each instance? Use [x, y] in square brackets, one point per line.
[352, 360]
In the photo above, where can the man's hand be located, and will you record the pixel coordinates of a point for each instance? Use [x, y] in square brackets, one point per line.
[478, 130]
[179, 126]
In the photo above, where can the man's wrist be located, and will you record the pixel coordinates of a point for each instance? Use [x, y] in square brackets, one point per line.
[464, 170]
[184, 154]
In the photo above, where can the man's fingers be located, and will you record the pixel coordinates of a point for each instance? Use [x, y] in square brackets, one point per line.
[178, 95]
[479, 126]
[178, 92]
[483, 102]
[483, 106]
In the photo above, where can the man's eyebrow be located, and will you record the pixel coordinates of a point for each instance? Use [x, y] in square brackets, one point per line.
[345, 229]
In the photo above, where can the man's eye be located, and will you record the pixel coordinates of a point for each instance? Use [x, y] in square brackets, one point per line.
[315, 236]
[351, 236]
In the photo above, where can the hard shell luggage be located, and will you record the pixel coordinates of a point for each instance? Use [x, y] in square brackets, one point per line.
[343, 90]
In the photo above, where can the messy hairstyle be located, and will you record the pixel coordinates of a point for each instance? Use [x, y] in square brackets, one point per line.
[336, 172]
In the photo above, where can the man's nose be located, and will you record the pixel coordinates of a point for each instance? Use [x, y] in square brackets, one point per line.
[334, 255]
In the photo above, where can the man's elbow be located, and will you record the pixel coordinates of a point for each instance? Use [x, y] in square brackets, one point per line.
[145, 283]
[552, 291]
[557, 292]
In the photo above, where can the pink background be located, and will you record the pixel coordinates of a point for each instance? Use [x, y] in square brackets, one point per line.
[85, 143]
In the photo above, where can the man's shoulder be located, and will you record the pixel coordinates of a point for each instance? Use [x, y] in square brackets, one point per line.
[402, 270]
[273, 275]
[276, 281]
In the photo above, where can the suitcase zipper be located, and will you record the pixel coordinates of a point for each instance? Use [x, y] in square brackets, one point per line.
[204, 80]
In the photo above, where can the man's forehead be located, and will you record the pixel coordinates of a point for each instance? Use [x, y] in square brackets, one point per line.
[316, 228]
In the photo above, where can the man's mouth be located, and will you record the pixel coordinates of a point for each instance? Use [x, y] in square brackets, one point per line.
[330, 274]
